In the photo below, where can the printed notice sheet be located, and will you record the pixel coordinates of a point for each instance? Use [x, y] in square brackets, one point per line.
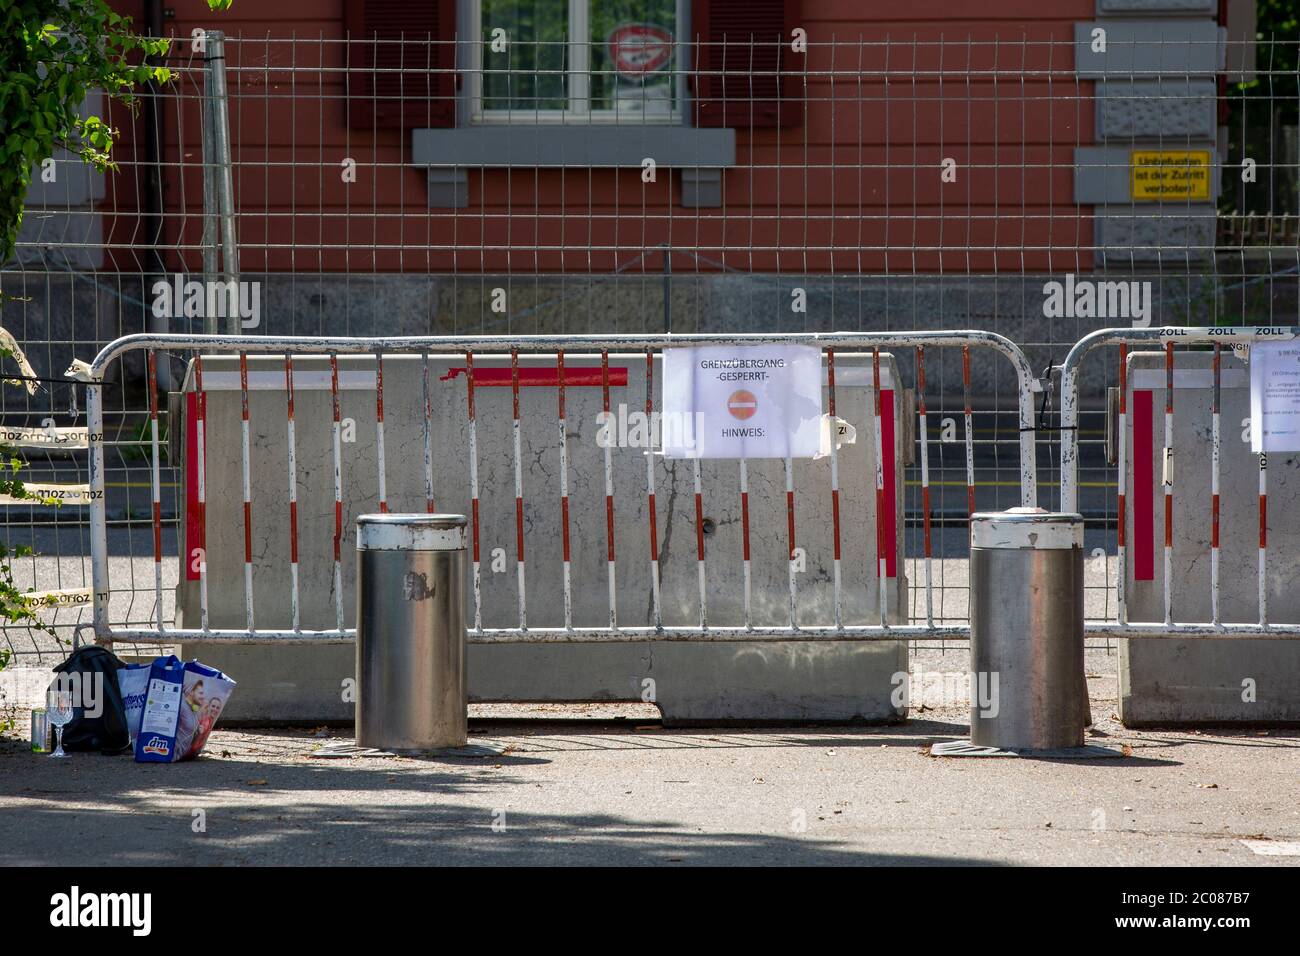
[744, 401]
[1274, 396]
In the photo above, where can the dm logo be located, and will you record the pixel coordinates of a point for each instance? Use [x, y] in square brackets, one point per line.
[157, 745]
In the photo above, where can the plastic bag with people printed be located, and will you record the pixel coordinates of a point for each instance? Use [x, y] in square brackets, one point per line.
[204, 694]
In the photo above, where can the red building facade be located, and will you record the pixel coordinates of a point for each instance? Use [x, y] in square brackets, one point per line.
[931, 137]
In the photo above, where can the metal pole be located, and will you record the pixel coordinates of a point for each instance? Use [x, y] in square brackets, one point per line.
[154, 144]
[210, 202]
[668, 284]
[574, 344]
[220, 116]
[1069, 438]
[1028, 448]
[98, 509]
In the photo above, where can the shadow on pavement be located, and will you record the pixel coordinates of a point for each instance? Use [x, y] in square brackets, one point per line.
[93, 810]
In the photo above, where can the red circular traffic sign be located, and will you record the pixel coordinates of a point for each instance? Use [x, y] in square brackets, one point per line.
[639, 49]
[742, 404]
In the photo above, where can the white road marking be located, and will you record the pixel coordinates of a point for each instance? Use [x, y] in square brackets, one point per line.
[1274, 847]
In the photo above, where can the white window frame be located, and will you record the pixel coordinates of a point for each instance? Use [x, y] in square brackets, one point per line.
[579, 77]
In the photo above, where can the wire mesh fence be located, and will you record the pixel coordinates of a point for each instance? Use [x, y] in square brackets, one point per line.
[577, 171]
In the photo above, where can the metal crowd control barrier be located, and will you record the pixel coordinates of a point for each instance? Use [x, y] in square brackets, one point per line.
[1213, 342]
[325, 354]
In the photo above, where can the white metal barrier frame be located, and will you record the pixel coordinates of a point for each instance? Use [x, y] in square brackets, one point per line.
[288, 346]
[1166, 338]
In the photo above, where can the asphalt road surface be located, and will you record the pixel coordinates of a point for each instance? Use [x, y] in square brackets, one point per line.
[626, 792]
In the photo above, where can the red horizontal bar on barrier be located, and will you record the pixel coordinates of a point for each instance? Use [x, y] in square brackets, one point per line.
[545, 376]
[193, 529]
[888, 540]
[1144, 532]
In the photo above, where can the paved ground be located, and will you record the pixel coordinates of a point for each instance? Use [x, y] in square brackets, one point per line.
[607, 784]
[590, 789]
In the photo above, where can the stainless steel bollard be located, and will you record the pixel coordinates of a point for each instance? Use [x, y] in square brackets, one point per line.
[411, 688]
[1028, 687]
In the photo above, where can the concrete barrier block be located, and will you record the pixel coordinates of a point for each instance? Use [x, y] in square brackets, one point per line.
[696, 681]
[1171, 682]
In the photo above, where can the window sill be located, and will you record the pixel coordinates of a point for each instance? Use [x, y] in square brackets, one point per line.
[551, 119]
[585, 146]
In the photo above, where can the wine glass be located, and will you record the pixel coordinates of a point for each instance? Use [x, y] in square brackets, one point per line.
[58, 708]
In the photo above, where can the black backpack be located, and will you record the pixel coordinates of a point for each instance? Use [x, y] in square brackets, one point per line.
[107, 732]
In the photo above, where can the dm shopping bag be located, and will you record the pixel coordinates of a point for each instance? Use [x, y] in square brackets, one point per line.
[133, 679]
[204, 695]
[155, 741]
[185, 700]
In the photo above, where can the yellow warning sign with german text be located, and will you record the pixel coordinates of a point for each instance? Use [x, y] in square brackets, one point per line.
[1164, 175]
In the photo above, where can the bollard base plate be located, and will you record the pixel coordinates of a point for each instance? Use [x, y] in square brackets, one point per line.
[964, 748]
[474, 748]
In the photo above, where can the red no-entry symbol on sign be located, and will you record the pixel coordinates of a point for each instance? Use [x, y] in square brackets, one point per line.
[639, 49]
[742, 404]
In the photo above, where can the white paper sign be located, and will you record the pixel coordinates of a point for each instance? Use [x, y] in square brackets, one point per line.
[744, 401]
[1274, 396]
[161, 709]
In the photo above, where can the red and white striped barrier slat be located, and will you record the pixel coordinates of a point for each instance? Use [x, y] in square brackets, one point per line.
[1167, 479]
[790, 538]
[564, 492]
[1121, 550]
[882, 565]
[473, 490]
[650, 490]
[744, 538]
[519, 489]
[338, 491]
[1263, 539]
[970, 433]
[609, 497]
[428, 434]
[925, 484]
[292, 455]
[1214, 486]
[155, 481]
[379, 434]
[248, 490]
[201, 490]
[699, 543]
[835, 490]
